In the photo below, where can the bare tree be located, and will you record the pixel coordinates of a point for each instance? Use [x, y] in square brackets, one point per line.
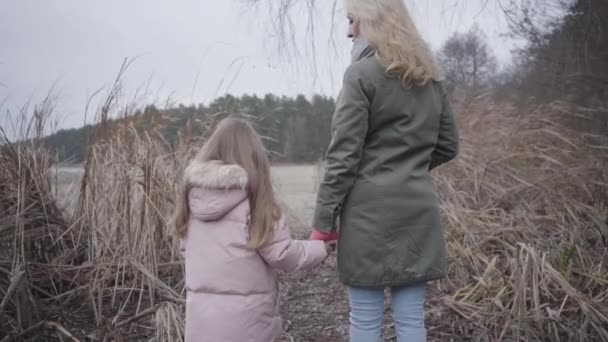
[467, 59]
[284, 19]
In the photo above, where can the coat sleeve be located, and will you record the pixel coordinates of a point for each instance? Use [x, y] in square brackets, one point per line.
[289, 255]
[349, 129]
[446, 148]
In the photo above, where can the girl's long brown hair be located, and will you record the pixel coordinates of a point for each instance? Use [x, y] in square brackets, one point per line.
[235, 141]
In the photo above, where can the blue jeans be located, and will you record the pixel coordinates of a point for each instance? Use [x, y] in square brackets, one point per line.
[367, 308]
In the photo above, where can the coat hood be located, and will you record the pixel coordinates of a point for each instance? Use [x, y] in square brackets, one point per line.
[215, 189]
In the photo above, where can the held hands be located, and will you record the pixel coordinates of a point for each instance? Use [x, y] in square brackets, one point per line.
[330, 246]
[330, 239]
[319, 235]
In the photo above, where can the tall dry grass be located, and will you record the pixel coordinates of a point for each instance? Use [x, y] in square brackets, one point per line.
[34, 232]
[524, 208]
[106, 263]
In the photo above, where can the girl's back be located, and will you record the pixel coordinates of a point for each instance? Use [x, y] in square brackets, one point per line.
[231, 288]
[218, 233]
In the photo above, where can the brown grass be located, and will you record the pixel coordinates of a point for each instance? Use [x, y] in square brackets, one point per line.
[526, 217]
[525, 211]
[109, 259]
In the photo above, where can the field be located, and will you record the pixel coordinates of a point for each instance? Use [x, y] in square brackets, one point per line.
[524, 208]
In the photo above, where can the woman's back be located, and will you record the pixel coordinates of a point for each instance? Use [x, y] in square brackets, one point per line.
[386, 138]
[392, 125]
[403, 126]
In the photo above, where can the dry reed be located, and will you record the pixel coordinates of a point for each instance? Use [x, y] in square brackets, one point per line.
[526, 217]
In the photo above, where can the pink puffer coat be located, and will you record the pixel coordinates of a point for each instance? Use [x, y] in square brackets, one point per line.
[232, 293]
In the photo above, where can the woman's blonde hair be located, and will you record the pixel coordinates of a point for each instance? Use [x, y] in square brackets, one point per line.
[236, 142]
[388, 27]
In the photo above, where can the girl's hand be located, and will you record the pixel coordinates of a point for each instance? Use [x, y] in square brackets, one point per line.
[330, 246]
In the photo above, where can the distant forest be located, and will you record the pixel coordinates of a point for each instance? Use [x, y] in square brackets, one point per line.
[294, 129]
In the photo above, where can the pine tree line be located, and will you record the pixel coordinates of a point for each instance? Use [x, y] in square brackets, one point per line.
[295, 129]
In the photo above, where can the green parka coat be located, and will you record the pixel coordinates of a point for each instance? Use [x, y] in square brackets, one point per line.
[385, 140]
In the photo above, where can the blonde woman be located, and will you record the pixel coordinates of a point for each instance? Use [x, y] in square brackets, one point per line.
[392, 125]
[233, 240]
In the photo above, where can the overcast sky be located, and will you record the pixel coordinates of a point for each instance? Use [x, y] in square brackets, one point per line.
[191, 50]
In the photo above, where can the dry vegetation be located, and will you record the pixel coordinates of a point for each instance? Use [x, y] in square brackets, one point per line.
[525, 211]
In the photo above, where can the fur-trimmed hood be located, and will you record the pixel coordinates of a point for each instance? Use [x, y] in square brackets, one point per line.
[216, 175]
[215, 189]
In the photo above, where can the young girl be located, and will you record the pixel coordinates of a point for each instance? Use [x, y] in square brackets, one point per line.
[234, 238]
